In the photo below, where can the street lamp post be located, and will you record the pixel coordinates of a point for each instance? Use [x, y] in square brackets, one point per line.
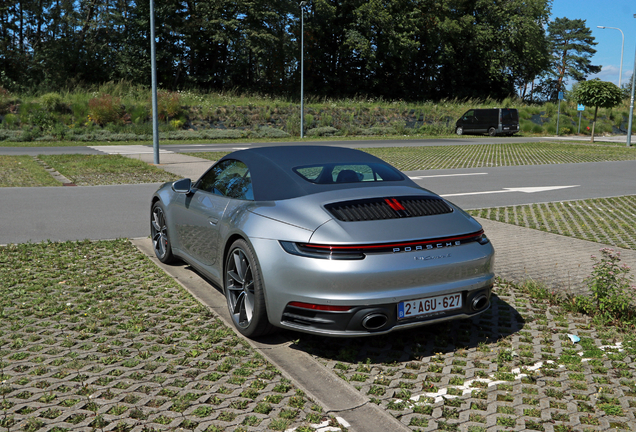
[620, 72]
[153, 73]
[302, 68]
[631, 105]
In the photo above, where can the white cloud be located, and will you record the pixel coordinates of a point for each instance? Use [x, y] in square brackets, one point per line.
[610, 73]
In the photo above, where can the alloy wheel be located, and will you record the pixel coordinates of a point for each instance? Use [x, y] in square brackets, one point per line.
[240, 288]
[159, 232]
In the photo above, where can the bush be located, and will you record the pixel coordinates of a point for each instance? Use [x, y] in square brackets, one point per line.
[10, 135]
[270, 132]
[322, 131]
[52, 102]
[10, 121]
[526, 125]
[5, 97]
[176, 123]
[105, 109]
[168, 104]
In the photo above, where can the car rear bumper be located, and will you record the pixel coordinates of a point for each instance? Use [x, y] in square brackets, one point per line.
[371, 287]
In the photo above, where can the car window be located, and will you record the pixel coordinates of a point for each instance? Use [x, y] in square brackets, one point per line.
[469, 114]
[348, 173]
[229, 178]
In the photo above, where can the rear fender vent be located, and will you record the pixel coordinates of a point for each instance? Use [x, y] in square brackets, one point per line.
[388, 208]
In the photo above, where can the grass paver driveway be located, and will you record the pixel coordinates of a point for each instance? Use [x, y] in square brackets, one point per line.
[92, 170]
[94, 336]
[22, 171]
[82, 170]
[493, 155]
[611, 221]
[515, 366]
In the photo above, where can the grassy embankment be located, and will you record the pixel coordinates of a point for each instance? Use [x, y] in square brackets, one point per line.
[119, 112]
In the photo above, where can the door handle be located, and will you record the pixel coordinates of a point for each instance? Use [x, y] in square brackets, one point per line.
[213, 221]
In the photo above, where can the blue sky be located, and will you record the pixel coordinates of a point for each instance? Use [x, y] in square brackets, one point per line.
[609, 13]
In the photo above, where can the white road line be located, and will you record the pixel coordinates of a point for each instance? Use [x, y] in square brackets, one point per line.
[519, 189]
[446, 175]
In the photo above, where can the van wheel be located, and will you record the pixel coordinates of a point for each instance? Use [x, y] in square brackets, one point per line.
[459, 130]
[492, 131]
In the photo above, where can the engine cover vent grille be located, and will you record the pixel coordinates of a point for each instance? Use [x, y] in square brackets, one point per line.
[387, 208]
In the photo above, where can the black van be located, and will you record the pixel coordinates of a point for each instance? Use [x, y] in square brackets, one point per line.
[494, 121]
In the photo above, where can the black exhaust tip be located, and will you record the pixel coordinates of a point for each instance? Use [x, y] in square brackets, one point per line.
[479, 302]
[374, 321]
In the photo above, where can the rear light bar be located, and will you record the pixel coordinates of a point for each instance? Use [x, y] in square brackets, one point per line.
[327, 308]
[344, 252]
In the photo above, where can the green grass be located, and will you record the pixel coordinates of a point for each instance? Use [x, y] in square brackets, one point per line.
[23, 171]
[90, 170]
[97, 326]
[610, 221]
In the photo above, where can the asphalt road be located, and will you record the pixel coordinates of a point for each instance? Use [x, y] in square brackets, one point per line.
[107, 212]
[515, 185]
[74, 213]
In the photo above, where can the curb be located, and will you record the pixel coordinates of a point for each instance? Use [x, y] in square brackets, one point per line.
[319, 383]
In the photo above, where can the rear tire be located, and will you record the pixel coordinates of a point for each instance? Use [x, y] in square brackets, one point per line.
[492, 132]
[244, 291]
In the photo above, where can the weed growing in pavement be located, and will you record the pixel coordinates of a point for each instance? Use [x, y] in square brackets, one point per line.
[610, 283]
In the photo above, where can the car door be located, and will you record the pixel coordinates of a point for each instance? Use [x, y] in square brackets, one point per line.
[200, 225]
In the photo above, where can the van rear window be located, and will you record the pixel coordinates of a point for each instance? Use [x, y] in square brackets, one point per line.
[509, 114]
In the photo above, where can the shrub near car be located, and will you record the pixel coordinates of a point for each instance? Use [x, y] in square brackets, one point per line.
[324, 240]
[493, 121]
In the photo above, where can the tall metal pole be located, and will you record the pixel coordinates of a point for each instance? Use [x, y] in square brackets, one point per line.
[620, 72]
[153, 66]
[302, 68]
[631, 105]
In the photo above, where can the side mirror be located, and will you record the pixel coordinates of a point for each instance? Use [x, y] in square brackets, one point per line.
[182, 186]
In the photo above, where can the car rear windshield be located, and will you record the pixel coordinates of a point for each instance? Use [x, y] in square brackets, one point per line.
[348, 173]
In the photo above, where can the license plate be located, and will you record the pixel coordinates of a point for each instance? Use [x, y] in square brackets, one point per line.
[429, 306]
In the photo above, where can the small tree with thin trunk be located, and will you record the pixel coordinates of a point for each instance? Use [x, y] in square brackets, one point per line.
[596, 93]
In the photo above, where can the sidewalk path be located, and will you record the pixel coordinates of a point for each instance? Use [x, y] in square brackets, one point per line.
[561, 263]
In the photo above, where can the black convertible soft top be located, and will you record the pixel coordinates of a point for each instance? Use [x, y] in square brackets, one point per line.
[273, 177]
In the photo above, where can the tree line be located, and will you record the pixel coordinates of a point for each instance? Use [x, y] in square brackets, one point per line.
[393, 49]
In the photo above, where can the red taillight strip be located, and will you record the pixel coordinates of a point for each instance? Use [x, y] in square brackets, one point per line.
[394, 204]
[392, 245]
[320, 307]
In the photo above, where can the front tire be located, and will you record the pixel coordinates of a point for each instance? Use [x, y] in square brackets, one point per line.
[492, 131]
[244, 291]
[159, 234]
[459, 131]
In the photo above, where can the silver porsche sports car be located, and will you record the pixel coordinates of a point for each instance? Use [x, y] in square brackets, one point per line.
[324, 240]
